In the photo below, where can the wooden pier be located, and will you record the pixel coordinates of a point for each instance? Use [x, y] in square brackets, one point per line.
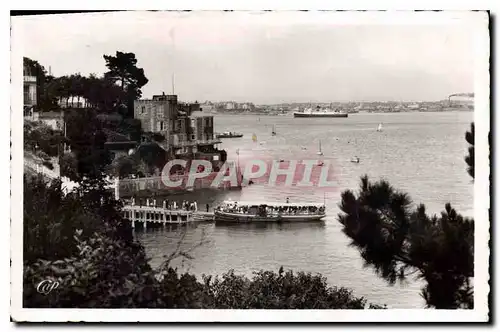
[156, 215]
[152, 216]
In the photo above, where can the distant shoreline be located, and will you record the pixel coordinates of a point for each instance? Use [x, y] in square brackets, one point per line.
[350, 113]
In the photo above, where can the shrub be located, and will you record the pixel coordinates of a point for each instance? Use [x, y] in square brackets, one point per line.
[124, 166]
[40, 137]
[105, 273]
[271, 290]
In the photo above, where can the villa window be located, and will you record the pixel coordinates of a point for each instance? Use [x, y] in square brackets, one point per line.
[143, 109]
[27, 94]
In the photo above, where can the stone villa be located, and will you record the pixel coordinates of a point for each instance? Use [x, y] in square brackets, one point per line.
[188, 131]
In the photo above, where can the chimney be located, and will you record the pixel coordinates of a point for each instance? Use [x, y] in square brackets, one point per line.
[163, 93]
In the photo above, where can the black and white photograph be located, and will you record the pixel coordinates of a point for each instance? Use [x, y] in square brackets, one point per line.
[204, 162]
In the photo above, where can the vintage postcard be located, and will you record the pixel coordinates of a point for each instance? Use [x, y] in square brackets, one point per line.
[201, 162]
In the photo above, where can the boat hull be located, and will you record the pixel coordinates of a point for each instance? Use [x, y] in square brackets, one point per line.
[229, 136]
[319, 115]
[246, 218]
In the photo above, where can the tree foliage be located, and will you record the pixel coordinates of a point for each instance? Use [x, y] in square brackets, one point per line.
[124, 71]
[152, 155]
[124, 166]
[94, 92]
[68, 165]
[469, 159]
[87, 143]
[41, 137]
[399, 242]
[117, 88]
[131, 127]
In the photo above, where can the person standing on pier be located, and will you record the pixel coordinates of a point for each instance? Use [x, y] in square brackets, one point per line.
[208, 207]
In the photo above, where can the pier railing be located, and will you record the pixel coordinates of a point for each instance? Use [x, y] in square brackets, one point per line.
[161, 216]
[156, 215]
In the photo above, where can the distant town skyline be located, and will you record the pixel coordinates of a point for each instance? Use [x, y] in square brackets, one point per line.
[264, 58]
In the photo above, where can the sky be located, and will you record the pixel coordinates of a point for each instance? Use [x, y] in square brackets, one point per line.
[268, 57]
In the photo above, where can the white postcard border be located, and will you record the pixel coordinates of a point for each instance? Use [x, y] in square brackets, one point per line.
[481, 205]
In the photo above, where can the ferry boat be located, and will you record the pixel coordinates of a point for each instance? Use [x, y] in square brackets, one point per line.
[248, 212]
[320, 113]
[228, 134]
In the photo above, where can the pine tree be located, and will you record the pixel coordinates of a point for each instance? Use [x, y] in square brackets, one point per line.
[469, 159]
[400, 242]
[124, 71]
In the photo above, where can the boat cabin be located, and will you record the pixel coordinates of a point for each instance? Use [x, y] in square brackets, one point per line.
[264, 209]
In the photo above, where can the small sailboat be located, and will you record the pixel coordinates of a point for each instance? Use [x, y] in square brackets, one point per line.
[355, 160]
[320, 153]
[254, 138]
[379, 128]
[274, 131]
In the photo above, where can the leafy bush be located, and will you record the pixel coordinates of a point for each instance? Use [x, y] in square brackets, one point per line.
[87, 143]
[124, 166]
[131, 127]
[43, 139]
[50, 219]
[105, 273]
[271, 290]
